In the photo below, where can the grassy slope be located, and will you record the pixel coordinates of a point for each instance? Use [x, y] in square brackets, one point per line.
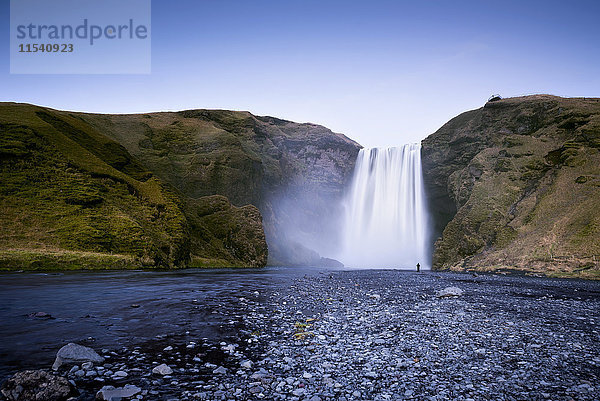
[250, 160]
[70, 196]
[526, 186]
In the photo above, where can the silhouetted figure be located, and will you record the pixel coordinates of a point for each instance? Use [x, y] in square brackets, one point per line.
[418, 267]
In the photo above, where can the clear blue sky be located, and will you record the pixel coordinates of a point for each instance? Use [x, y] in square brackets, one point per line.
[381, 72]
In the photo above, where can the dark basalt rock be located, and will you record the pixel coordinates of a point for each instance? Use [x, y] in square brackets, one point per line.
[36, 385]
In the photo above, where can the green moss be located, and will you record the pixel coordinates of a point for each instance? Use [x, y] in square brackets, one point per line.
[204, 263]
[511, 141]
[63, 260]
[534, 183]
[66, 187]
[504, 237]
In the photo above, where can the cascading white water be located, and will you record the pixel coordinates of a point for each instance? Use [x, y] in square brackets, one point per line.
[386, 216]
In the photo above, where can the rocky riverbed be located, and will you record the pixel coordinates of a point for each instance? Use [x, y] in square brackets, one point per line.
[372, 335]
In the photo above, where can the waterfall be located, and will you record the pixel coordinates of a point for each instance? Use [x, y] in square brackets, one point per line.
[386, 216]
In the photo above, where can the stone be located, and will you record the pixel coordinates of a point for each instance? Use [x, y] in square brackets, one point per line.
[220, 370]
[299, 392]
[75, 353]
[449, 292]
[110, 393]
[162, 369]
[30, 385]
[246, 364]
[40, 315]
[119, 374]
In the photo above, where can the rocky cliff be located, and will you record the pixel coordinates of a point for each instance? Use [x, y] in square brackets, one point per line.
[168, 189]
[516, 185]
[294, 173]
[71, 197]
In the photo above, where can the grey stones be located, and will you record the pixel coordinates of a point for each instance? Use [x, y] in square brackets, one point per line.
[110, 393]
[75, 353]
[406, 344]
[40, 385]
[449, 292]
[162, 369]
[371, 375]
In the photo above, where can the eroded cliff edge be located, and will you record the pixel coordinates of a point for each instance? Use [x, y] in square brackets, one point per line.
[516, 185]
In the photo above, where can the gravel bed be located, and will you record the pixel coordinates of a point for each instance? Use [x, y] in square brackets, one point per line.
[379, 335]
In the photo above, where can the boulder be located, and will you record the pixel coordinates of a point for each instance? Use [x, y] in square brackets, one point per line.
[39, 385]
[449, 292]
[72, 354]
[162, 369]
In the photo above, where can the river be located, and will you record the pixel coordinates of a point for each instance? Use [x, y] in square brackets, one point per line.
[100, 309]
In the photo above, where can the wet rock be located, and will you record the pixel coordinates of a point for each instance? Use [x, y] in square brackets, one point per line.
[40, 315]
[75, 353]
[33, 385]
[220, 370]
[110, 393]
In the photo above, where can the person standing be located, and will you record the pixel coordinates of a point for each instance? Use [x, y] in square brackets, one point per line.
[418, 267]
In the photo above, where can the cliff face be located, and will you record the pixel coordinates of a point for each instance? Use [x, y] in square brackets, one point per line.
[71, 197]
[516, 184]
[294, 173]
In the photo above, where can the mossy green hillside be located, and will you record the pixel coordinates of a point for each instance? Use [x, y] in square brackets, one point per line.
[522, 179]
[250, 160]
[66, 187]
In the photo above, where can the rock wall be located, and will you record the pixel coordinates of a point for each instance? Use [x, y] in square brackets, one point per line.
[516, 185]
